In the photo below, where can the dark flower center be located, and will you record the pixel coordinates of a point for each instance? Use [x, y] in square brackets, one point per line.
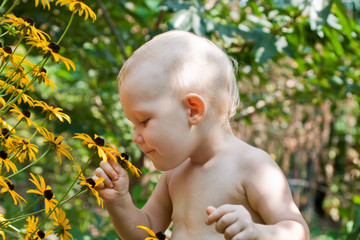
[160, 236]
[3, 155]
[124, 155]
[0, 44]
[122, 163]
[41, 234]
[26, 113]
[48, 194]
[8, 49]
[55, 140]
[99, 141]
[91, 182]
[10, 185]
[43, 70]
[54, 47]
[52, 105]
[29, 20]
[5, 132]
[25, 141]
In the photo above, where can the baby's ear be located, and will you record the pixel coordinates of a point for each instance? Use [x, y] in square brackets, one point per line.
[196, 108]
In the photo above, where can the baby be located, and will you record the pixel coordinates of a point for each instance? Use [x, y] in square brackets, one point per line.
[179, 91]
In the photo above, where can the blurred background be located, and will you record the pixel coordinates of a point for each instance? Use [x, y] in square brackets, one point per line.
[299, 80]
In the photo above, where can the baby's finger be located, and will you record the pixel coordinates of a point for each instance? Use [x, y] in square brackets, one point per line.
[216, 214]
[109, 170]
[225, 222]
[100, 185]
[233, 230]
[107, 183]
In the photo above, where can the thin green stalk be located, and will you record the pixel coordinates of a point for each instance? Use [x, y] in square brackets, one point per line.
[31, 164]
[19, 218]
[27, 208]
[42, 124]
[10, 9]
[3, 4]
[67, 28]
[3, 33]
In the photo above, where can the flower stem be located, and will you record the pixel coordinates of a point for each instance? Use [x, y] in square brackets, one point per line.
[10, 9]
[67, 28]
[31, 164]
[3, 4]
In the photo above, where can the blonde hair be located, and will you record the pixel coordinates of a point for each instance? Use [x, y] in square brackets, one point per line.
[192, 64]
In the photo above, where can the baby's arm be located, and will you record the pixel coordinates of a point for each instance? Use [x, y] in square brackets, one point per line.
[124, 214]
[268, 195]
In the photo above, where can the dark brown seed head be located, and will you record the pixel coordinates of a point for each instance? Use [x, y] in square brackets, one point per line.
[26, 113]
[99, 141]
[3, 155]
[54, 47]
[10, 185]
[48, 194]
[124, 155]
[8, 49]
[160, 235]
[91, 182]
[29, 20]
[41, 234]
[5, 132]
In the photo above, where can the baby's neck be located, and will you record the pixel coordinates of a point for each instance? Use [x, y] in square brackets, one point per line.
[212, 142]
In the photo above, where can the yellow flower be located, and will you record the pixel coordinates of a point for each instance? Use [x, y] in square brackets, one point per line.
[55, 144]
[8, 186]
[53, 49]
[31, 228]
[23, 115]
[157, 236]
[4, 124]
[62, 225]
[26, 26]
[42, 77]
[53, 111]
[43, 190]
[98, 143]
[23, 98]
[2, 221]
[23, 148]
[7, 162]
[78, 6]
[45, 3]
[90, 183]
[123, 160]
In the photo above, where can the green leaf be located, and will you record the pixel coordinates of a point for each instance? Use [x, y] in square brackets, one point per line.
[333, 37]
[264, 47]
[181, 20]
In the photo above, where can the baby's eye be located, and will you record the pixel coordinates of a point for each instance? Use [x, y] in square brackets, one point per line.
[143, 123]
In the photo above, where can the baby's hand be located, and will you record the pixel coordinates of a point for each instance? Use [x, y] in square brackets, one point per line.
[234, 221]
[116, 183]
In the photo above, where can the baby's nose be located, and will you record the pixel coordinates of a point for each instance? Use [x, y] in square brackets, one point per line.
[137, 138]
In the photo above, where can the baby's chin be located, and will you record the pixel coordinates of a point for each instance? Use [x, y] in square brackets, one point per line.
[166, 167]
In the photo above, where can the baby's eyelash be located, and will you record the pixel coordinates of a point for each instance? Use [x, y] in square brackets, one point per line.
[144, 122]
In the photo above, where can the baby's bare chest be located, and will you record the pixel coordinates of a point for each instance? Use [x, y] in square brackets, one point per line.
[194, 189]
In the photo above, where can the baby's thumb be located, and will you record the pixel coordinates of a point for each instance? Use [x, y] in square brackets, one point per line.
[210, 209]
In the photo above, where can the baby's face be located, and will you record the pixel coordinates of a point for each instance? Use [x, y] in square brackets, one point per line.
[162, 130]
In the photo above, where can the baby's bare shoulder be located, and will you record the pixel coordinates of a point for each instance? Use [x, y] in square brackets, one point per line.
[248, 155]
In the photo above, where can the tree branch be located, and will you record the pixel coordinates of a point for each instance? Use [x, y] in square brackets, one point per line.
[113, 28]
